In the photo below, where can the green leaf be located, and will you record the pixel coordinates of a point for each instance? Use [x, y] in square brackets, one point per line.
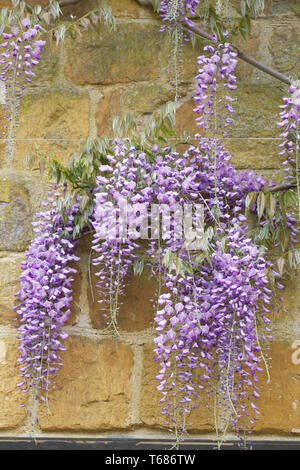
[243, 7]
[280, 264]
[261, 201]
[138, 267]
[250, 200]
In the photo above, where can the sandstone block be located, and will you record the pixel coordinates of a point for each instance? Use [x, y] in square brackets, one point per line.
[15, 217]
[142, 99]
[286, 8]
[283, 47]
[126, 8]
[10, 270]
[279, 401]
[60, 117]
[11, 414]
[93, 389]
[136, 308]
[126, 55]
[256, 114]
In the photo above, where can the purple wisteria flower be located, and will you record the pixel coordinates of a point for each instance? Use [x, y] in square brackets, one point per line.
[289, 123]
[127, 170]
[21, 53]
[176, 11]
[45, 297]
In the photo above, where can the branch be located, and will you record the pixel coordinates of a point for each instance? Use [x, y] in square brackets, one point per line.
[281, 187]
[242, 55]
[65, 3]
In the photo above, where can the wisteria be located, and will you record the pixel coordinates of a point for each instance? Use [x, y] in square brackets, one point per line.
[208, 340]
[214, 295]
[21, 53]
[290, 125]
[216, 73]
[115, 246]
[208, 324]
[175, 11]
[45, 297]
[289, 147]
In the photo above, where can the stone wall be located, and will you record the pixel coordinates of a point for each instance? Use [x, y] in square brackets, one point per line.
[108, 387]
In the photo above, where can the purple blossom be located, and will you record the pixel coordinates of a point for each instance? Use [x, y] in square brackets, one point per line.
[45, 297]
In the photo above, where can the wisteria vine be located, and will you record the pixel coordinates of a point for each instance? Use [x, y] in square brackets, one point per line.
[213, 303]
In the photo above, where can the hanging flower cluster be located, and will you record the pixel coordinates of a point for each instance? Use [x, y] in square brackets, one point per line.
[207, 325]
[290, 124]
[174, 11]
[211, 101]
[208, 333]
[116, 191]
[21, 53]
[213, 301]
[45, 297]
[210, 317]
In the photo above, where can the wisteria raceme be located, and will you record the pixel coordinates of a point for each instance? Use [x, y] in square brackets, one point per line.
[211, 101]
[208, 331]
[21, 53]
[175, 11]
[209, 319]
[290, 121]
[184, 342]
[114, 244]
[45, 297]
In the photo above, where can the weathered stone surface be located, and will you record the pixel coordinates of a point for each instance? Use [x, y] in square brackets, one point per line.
[285, 8]
[150, 408]
[10, 270]
[251, 46]
[80, 9]
[279, 402]
[93, 389]
[47, 71]
[186, 60]
[76, 293]
[126, 55]
[15, 216]
[142, 99]
[11, 414]
[60, 117]
[256, 114]
[35, 188]
[285, 319]
[186, 118]
[126, 8]
[284, 48]
[136, 309]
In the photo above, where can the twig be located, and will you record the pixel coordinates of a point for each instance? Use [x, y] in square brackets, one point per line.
[65, 3]
[281, 187]
[242, 55]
